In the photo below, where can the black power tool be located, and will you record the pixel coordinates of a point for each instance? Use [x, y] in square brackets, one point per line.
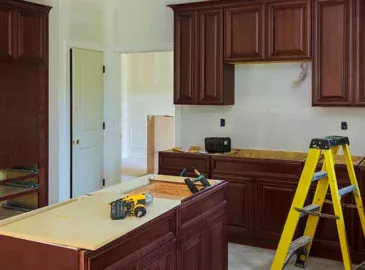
[190, 182]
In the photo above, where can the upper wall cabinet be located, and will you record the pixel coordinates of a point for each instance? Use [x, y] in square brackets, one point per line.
[185, 57]
[360, 54]
[215, 78]
[244, 32]
[32, 41]
[201, 76]
[5, 33]
[332, 52]
[288, 30]
[271, 30]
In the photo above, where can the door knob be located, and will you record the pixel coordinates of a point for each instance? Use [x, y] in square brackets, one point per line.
[77, 142]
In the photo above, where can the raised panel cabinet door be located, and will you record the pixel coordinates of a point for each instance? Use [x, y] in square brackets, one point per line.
[332, 53]
[360, 54]
[217, 243]
[163, 259]
[240, 207]
[288, 30]
[32, 36]
[244, 32]
[6, 23]
[191, 252]
[210, 56]
[185, 88]
[274, 199]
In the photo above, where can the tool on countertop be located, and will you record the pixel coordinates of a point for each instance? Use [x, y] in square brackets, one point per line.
[130, 205]
[190, 182]
[218, 145]
[326, 179]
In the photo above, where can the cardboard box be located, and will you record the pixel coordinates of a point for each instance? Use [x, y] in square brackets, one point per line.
[160, 137]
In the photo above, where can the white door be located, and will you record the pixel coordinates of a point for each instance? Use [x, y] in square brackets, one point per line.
[87, 121]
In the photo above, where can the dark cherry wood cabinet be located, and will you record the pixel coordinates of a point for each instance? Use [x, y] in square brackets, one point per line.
[332, 52]
[217, 236]
[245, 32]
[6, 39]
[288, 30]
[261, 193]
[215, 77]
[185, 57]
[191, 251]
[24, 93]
[191, 236]
[359, 60]
[274, 196]
[201, 76]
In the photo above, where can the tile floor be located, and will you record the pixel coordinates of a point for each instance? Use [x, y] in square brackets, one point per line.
[251, 258]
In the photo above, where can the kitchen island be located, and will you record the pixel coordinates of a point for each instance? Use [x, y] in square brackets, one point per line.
[179, 231]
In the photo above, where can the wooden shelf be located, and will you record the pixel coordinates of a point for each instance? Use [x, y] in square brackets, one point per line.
[7, 192]
[19, 178]
[8, 213]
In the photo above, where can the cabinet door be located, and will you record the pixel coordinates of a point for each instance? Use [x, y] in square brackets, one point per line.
[191, 252]
[32, 36]
[240, 207]
[163, 259]
[332, 52]
[274, 199]
[288, 30]
[5, 33]
[244, 32]
[217, 257]
[360, 54]
[185, 88]
[210, 61]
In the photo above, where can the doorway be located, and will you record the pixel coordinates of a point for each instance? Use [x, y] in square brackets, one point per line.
[87, 116]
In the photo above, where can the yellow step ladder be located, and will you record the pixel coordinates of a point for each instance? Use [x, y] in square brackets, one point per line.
[326, 178]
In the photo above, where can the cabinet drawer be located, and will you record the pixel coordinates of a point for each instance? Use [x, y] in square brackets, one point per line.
[149, 237]
[192, 212]
[239, 166]
[177, 162]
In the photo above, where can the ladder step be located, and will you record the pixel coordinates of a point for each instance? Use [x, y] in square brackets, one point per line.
[309, 208]
[316, 214]
[328, 142]
[347, 190]
[319, 175]
[296, 244]
[361, 266]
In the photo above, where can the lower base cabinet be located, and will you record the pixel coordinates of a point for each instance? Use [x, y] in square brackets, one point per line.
[191, 251]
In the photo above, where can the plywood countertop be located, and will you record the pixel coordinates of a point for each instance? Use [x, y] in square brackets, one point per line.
[84, 222]
[340, 160]
[258, 154]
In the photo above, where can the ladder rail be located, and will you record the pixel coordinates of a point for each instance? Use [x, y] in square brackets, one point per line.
[341, 228]
[357, 194]
[298, 201]
[319, 199]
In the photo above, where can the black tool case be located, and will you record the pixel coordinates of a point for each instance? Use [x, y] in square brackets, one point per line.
[218, 145]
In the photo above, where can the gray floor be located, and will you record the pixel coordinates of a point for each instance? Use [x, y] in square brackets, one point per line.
[248, 258]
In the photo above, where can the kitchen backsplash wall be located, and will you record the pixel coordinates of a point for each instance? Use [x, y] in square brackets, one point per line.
[269, 113]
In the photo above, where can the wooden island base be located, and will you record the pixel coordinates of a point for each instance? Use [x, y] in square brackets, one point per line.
[192, 235]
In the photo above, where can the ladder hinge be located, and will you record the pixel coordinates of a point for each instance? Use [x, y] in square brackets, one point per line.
[103, 182]
[104, 69]
[103, 125]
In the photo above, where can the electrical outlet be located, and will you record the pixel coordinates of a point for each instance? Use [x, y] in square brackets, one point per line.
[223, 122]
[344, 126]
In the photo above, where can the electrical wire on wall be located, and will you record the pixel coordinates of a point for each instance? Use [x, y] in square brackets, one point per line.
[302, 75]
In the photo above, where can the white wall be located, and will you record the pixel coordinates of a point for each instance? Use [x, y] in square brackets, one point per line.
[270, 114]
[147, 84]
[144, 25]
[81, 24]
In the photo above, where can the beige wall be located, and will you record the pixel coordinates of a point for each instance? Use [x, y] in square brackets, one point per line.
[147, 80]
